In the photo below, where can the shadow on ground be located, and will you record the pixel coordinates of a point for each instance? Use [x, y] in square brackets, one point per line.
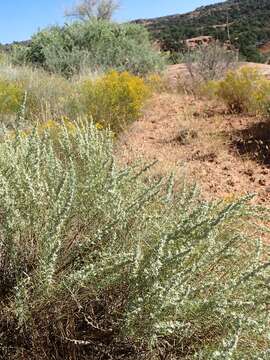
[254, 142]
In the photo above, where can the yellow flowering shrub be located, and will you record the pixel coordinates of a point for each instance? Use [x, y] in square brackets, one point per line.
[244, 90]
[11, 97]
[115, 99]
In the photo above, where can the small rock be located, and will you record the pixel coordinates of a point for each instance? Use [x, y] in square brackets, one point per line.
[262, 182]
[249, 172]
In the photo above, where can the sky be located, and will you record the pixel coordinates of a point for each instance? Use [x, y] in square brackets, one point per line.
[19, 19]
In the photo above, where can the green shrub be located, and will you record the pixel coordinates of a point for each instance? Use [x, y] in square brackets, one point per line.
[96, 262]
[98, 45]
[244, 90]
[11, 97]
[4, 58]
[115, 99]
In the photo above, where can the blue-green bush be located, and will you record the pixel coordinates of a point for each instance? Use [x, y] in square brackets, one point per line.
[97, 45]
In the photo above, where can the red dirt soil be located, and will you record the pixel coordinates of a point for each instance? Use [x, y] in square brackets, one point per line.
[180, 70]
[220, 151]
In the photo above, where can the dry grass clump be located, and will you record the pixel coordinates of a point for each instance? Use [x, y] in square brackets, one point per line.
[204, 64]
[43, 96]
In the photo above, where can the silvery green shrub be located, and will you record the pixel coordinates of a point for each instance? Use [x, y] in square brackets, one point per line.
[100, 262]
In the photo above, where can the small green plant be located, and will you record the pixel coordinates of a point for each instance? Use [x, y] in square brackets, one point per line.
[115, 99]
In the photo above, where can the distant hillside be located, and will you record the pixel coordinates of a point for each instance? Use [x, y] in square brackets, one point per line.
[8, 47]
[245, 22]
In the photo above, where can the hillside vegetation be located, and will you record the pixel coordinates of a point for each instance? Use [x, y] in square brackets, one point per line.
[248, 22]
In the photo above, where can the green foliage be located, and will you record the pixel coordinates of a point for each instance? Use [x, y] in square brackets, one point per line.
[248, 26]
[245, 90]
[97, 45]
[3, 58]
[97, 262]
[11, 97]
[114, 100]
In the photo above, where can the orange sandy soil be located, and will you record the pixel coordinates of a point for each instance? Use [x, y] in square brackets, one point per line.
[180, 70]
[227, 155]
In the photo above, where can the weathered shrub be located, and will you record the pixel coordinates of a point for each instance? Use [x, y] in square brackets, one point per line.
[96, 262]
[115, 99]
[261, 98]
[210, 62]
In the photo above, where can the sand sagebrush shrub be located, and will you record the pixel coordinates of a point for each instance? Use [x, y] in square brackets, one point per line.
[96, 262]
[207, 63]
[115, 99]
[244, 90]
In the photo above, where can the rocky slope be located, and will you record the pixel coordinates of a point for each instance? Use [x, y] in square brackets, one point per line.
[244, 22]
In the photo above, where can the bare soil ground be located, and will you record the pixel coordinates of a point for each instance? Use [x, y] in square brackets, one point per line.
[180, 70]
[227, 155]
